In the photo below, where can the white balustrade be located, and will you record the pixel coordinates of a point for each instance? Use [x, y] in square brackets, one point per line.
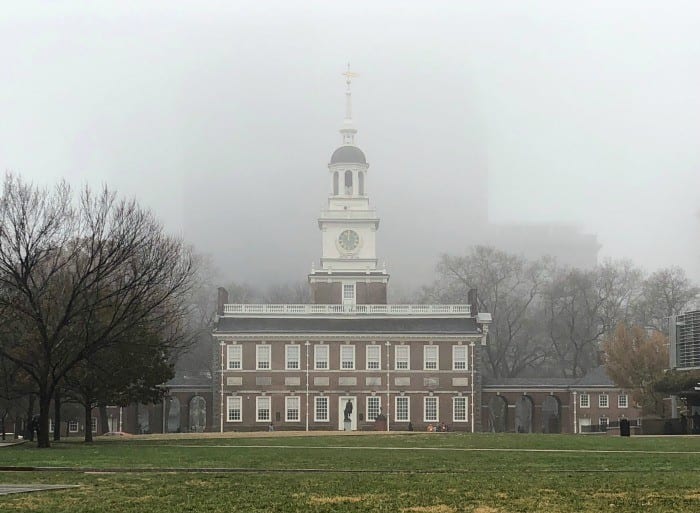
[374, 310]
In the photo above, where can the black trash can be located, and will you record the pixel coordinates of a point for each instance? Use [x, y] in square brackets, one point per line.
[624, 427]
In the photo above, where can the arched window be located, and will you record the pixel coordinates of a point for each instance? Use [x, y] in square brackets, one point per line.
[498, 414]
[361, 182]
[335, 183]
[523, 415]
[198, 414]
[173, 415]
[348, 182]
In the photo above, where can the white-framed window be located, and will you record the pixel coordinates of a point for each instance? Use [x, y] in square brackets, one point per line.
[292, 354]
[459, 409]
[374, 407]
[430, 357]
[262, 409]
[622, 401]
[459, 357]
[402, 357]
[50, 425]
[73, 426]
[374, 357]
[347, 357]
[235, 356]
[291, 408]
[262, 356]
[402, 409]
[348, 293]
[233, 407]
[584, 400]
[320, 356]
[321, 409]
[93, 424]
[603, 401]
[431, 409]
[603, 423]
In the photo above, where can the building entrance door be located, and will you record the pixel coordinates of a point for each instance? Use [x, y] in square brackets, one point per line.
[352, 410]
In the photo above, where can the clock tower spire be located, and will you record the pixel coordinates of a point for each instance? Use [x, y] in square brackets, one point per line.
[349, 273]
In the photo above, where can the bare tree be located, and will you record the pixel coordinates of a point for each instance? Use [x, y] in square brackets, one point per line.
[665, 293]
[66, 261]
[508, 288]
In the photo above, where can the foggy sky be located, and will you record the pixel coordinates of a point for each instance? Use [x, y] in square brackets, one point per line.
[222, 116]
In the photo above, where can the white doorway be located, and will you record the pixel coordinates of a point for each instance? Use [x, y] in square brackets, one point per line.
[584, 423]
[342, 404]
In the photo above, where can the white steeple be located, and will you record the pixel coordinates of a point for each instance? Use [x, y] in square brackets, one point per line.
[348, 131]
[348, 226]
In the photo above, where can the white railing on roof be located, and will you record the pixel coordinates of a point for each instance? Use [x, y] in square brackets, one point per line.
[398, 310]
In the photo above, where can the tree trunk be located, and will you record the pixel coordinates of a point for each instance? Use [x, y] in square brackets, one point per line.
[28, 433]
[104, 421]
[88, 423]
[44, 412]
[57, 415]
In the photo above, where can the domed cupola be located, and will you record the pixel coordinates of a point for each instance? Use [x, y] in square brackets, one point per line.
[348, 155]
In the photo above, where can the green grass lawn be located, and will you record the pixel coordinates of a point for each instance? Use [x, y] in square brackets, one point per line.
[429, 473]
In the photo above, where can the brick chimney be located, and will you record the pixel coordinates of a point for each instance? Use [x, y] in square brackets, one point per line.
[221, 301]
[473, 300]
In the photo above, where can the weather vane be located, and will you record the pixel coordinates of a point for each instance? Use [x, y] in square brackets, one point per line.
[349, 75]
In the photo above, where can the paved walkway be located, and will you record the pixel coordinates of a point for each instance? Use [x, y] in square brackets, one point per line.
[28, 488]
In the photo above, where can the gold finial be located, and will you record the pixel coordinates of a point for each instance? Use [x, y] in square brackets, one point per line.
[349, 75]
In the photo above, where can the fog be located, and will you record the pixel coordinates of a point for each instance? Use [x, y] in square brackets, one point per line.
[222, 116]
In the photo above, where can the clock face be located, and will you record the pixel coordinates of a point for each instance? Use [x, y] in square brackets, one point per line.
[349, 240]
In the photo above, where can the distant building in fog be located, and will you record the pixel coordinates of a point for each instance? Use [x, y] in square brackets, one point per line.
[564, 242]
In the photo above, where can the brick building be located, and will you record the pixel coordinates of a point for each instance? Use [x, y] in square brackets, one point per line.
[350, 358]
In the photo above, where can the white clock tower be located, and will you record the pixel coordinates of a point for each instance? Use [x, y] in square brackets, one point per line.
[349, 272]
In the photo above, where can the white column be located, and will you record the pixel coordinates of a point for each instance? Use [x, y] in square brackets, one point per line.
[308, 345]
[471, 347]
[388, 382]
[221, 398]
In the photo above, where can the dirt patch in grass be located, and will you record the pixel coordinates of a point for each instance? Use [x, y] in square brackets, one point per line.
[692, 496]
[485, 509]
[439, 508]
[610, 495]
[338, 499]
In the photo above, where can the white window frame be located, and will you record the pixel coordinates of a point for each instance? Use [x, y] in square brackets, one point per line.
[581, 401]
[93, 424]
[455, 400]
[377, 360]
[399, 359]
[317, 399]
[234, 363]
[373, 398]
[463, 361]
[258, 361]
[402, 398]
[349, 299]
[50, 425]
[258, 400]
[426, 349]
[342, 367]
[623, 403]
[606, 423]
[287, 360]
[431, 399]
[231, 407]
[72, 429]
[287, 408]
[603, 398]
[327, 358]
